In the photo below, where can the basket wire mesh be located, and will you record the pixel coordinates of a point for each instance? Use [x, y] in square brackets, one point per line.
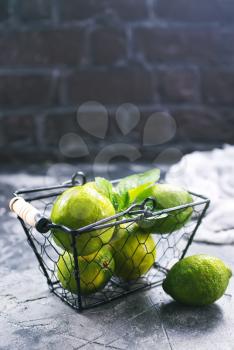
[170, 247]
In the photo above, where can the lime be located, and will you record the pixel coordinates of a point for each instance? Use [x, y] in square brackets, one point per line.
[77, 207]
[168, 196]
[95, 271]
[123, 231]
[197, 280]
[134, 252]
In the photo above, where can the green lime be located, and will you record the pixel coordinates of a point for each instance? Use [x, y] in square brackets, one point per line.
[123, 231]
[197, 280]
[168, 196]
[95, 271]
[134, 252]
[77, 207]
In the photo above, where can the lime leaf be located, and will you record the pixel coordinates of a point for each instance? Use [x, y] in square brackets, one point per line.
[122, 200]
[107, 189]
[141, 192]
[104, 186]
[133, 188]
[136, 180]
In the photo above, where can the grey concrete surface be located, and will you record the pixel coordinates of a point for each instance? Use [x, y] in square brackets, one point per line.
[31, 318]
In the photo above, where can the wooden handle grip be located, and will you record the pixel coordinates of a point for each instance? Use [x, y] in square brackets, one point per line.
[24, 210]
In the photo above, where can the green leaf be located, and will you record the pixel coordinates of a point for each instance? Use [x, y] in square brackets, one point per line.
[122, 200]
[133, 188]
[141, 192]
[136, 180]
[105, 187]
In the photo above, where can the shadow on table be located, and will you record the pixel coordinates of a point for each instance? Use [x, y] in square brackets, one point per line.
[190, 319]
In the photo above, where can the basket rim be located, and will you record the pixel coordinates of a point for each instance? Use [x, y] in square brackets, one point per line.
[136, 212]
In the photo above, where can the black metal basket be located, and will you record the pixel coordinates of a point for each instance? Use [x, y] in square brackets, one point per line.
[171, 246]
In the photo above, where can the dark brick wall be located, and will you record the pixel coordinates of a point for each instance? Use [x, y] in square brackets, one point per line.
[175, 56]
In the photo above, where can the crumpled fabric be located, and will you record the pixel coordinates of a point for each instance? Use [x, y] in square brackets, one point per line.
[210, 173]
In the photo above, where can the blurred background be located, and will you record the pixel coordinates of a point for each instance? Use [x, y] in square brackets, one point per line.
[136, 78]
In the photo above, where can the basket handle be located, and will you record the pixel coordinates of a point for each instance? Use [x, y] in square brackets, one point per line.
[28, 214]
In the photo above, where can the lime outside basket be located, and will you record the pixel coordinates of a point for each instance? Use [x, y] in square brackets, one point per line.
[33, 207]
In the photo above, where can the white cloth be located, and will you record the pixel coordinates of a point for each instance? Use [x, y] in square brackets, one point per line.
[211, 174]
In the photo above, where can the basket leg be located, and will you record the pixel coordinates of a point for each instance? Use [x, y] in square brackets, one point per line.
[195, 229]
[77, 272]
[39, 258]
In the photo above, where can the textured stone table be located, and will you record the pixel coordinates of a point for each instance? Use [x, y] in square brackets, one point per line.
[32, 318]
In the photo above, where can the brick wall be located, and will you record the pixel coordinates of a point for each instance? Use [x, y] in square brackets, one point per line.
[175, 56]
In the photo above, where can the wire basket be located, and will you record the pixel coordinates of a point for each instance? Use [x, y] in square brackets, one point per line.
[147, 260]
